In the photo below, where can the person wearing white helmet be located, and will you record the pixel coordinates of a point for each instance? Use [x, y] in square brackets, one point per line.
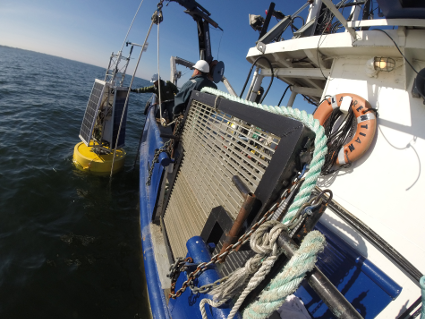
[198, 81]
[168, 90]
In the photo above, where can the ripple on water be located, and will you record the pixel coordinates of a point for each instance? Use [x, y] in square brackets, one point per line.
[70, 245]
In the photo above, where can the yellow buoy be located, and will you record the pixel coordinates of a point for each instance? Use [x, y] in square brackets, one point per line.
[88, 161]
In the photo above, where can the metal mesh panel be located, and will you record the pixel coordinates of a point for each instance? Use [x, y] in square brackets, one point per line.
[233, 261]
[216, 147]
[91, 111]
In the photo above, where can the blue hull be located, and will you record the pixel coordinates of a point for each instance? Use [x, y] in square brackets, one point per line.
[151, 140]
[187, 304]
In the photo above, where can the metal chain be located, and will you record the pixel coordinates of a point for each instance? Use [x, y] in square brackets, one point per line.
[206, 288]
[176, 268]
[164, 148]
[178, 129]
[281, 203]
[167, 147]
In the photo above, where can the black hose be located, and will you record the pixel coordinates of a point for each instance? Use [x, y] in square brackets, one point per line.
[249, 74]
[284, 94]
[336, 139]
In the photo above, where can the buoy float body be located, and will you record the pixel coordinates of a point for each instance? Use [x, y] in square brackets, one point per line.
[99, 164]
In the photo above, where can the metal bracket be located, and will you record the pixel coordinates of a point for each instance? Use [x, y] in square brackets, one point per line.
[261, 47]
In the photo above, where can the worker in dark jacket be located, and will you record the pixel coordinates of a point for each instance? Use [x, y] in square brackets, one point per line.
[198, 81]
[168, 90]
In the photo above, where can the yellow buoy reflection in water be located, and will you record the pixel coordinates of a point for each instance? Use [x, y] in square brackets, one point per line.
[99, 164]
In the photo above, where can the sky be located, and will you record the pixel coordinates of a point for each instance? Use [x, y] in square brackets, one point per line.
[90, 30]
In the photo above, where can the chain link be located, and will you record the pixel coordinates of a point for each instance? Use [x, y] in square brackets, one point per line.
[164, 148]
[206, 288]
[168, 147]
[232, 248]
[178, 129]
[176, 268]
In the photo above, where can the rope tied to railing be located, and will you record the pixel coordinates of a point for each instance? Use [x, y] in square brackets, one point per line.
[288, 280]
[285, 283]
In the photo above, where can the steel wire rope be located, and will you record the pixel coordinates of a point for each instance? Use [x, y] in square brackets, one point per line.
[159, 78]
[126, 101]
[219, 42]
[131, 25]
[162, 120]
[249, 74]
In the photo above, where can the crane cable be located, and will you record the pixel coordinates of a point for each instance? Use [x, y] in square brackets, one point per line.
[163, 123]
[126, 101]
[131, 25]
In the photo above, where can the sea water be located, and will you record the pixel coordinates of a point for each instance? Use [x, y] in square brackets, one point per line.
[70, 245]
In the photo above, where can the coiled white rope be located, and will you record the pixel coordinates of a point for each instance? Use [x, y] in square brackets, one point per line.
[285, 283]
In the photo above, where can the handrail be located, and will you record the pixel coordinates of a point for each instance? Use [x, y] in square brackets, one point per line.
[387, 22]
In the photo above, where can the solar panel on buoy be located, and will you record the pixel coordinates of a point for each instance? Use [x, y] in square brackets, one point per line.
[90, 115]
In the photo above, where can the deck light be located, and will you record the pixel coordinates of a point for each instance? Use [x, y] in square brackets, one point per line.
[377, 64]
[384, 64]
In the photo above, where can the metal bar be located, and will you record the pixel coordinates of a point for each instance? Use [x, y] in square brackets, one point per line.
[330, 295]
[228, 86]
[307, 91]
[267, 21]
[241, 186]
[387, 22]
[375, 239]
[292, 98]
[310, 73]
[340, 17]
[253, 81]
[351, 4]
[366, 13]
[243, 214]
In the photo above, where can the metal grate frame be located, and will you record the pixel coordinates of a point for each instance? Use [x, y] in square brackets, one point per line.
[218, 144]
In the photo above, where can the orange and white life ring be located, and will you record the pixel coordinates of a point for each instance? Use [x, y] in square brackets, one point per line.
[366, 124]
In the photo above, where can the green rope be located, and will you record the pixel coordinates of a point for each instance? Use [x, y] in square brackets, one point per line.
[320, 148]
[287, 281]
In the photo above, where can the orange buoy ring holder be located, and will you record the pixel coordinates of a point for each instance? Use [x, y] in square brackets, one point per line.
[366, 125]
